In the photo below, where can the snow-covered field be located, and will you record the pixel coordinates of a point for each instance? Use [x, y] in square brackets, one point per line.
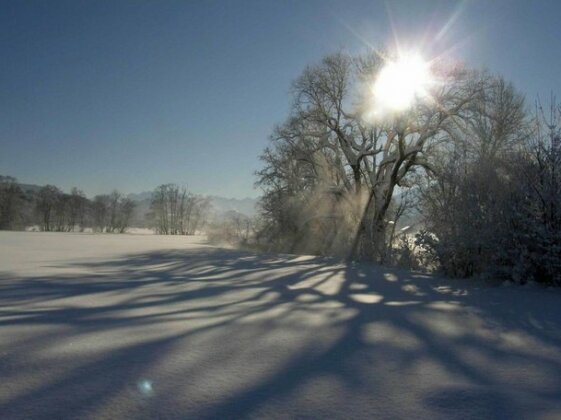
[144, 326]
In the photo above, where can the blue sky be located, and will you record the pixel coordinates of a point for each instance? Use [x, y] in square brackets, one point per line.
[132, 94]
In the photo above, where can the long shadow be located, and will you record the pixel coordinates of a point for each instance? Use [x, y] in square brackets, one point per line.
[230, 334]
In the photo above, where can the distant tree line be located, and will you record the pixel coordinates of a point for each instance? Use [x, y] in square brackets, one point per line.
[12, 204]
[477, 167]
[173, 210]
[51, 209]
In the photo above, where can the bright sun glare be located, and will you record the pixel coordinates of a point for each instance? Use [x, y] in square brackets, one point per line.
[400, 82]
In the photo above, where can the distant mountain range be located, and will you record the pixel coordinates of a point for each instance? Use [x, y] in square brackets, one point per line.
[220, 205]
[247, 206]
[29, 187]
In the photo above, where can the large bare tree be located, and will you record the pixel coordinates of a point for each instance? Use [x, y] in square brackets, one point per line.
[370, 156]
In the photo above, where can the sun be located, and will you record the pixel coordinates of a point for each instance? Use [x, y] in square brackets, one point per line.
[401, 82]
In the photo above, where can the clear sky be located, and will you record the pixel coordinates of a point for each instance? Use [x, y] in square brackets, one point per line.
[132, 94]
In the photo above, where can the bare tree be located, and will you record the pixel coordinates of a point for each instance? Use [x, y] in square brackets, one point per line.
[77, 208]
[11, 202]
[495, 121]
[61, 222]
[177, 211]
[100, 212]
[535, 243]
[111, 213]
[126, 209]
[194, 216]
[47, 199]
[162, 209]
[369, 157]
[114, 200]
[464, 201]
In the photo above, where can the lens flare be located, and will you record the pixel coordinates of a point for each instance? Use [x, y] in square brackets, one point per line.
[145, 387]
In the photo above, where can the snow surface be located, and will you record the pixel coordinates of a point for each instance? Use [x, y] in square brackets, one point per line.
[144, 326]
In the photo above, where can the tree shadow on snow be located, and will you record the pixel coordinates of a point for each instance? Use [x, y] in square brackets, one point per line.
[214, 333]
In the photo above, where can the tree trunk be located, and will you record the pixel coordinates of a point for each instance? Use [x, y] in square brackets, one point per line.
[361, 247]
[379, 237]
[370, 240]
[357, 178]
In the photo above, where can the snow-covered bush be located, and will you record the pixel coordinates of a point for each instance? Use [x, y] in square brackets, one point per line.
[534, 239]
[500, 217]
